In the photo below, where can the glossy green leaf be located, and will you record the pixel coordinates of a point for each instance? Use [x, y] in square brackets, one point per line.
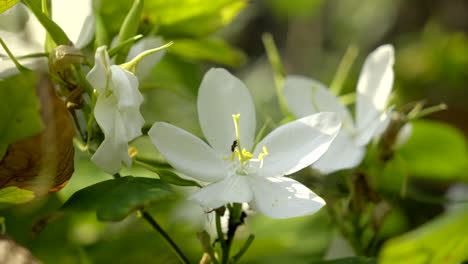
[14, 195]
[7, 4]
[215, 50]
[172, 178]
[19, 109]
[436, 151]
[351, 260]
[114, 199]
[444, 240]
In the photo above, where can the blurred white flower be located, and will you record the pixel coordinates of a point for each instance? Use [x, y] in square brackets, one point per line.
[116, 111]
[306, 96]
[24, 34]
[235, 174]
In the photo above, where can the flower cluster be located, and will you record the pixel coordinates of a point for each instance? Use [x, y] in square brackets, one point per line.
[306, 96]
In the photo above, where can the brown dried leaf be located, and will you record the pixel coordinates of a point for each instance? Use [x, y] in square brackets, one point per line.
[42, 163]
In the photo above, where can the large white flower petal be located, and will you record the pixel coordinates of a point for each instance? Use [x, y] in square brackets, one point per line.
[375, 128]
[146, 65]
[105, 156]
[306, 96]
[298, 144]
[99, 75]
[281, 197]
[374, 85]
[233, 189]
[220, 96]
[106, 112]
[187, 153]
[342, 154]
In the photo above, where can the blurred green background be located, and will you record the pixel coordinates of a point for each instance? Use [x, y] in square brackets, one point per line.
[431, 44]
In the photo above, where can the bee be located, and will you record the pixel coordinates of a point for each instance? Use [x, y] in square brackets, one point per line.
[234, 145]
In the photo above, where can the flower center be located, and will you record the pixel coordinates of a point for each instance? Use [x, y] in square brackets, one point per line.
[244, 160]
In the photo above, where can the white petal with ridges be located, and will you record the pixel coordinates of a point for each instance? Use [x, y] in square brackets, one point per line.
[234, 189]
[220, 96]
[281, 197]
[98, 76]
[105, 156]
[298, 144]
[374, 85]
[187, 153]
[125, 87]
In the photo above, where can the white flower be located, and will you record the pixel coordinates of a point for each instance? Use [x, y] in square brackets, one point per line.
[116, 111]
[22, 38]
[306, 96]
[241, 176]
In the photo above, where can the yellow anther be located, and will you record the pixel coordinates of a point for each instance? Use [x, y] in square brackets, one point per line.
[225, 157]
[263, 154]
[132, 152]
[247, 155]
[235, 118]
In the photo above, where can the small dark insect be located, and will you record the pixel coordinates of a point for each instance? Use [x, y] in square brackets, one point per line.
[234, 145]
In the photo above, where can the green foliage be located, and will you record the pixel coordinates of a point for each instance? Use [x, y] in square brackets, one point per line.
[7, 4]
[172, 178]
[19, 109]
[436, 151]
[114, 199]
[352, 260]
[216, 50]
[442, 240]
[294, 8]
[193, 18]
[14, 195]
[184, 18]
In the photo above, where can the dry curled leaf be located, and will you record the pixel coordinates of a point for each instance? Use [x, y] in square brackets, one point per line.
[42, 163]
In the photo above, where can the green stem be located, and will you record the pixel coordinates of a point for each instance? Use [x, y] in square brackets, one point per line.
[20, 67]
[166, 237]
[219, 230]
[278, 71]
[243, 249]
[343, 69]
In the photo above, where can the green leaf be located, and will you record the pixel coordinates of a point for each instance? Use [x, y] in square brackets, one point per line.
[172, 178]
[19, 109]
[443, 240]
[14, 195]
[193, 18]
[129, 29]
[216, 50]
[114, 199]
[436, 151]
[351, 260]
[183, 18]
[7, 4]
